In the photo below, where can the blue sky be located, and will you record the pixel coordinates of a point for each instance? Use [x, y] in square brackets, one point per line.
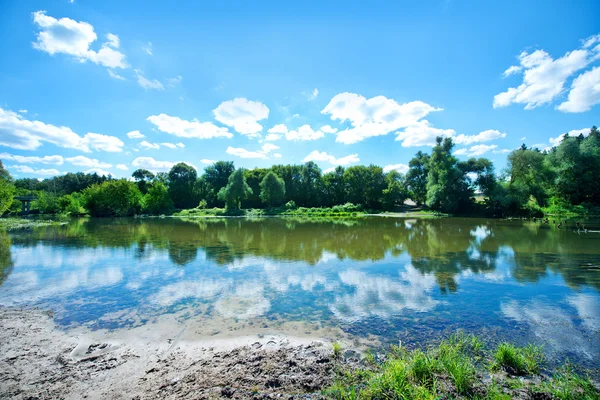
[263, 83]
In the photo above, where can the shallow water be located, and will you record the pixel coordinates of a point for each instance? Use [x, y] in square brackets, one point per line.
[386, 279]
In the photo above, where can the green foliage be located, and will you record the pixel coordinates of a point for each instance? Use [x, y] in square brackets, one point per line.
[518, 360]
[182, 180]
[143, 177]
[216, 177]
[115, 198]
[272, 190]
[4, 174]
[71, 204]
[7, 191]
[337, 349]
[290, 205]
[202, 205]
[396, 192]
[46, 203]
[567, 385]
[157, 200]
[416, 177]
[236, 190]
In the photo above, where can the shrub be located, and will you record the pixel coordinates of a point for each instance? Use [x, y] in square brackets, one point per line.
[157, 200]
[116, 198]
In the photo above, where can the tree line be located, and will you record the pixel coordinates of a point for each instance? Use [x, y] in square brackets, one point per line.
[564, 177]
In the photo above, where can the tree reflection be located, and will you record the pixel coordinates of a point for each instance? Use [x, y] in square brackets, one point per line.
[444, 247]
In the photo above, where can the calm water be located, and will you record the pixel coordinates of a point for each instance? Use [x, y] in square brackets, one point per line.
[388, 278]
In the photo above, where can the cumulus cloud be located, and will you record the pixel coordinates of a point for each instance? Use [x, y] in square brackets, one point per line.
[243, 153]
[149, 145]
[26, 169]
[373, 117]
[57, 160]
[207, 161]
[585, 92]
[67, 36]
[316, 156]
[421, 133]
[135, 135]
[402, 168]
[151, 164]
[544, 79]
[313, 95]
[122, 167]
[173, 145]
[114, 75]
[485, 136]
[242, 115]
[476, 150]
[147, 83]
[83, 161]
[328, 129]
[22, 134]
[98, 171]
[305, 132]
[575, 132]
[188, 129]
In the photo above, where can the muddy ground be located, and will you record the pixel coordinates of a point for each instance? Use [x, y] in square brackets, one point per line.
[38, 360]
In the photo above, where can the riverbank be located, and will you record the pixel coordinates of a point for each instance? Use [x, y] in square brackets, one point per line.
[39, 360]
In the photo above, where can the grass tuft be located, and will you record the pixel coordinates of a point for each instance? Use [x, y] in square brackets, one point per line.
[518, 360]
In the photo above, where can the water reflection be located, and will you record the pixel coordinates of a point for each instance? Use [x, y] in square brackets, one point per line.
[379, 276]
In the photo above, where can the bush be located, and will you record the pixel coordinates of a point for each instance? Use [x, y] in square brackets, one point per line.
[46, 203]
[157, 200]
[71, 204]
[202, 205]
[291, 205]
[118, 198]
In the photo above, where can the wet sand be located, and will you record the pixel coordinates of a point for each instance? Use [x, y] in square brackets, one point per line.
[40, 360]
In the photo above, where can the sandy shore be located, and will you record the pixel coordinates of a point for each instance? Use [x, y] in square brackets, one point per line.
[39, 360]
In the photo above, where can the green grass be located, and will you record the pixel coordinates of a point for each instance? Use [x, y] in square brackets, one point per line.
[454, 369]
[518, 360]
[337, 349]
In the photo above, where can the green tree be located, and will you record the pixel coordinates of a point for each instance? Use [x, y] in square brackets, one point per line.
[253, 178]
[157, 200]
[528, 176]
[334, 187]
[310, 184]
[7, 191]
[4, 174]
[395, 193]
[115, 198]
[46, 203]
[447, 187]
[235, 191]
[272, 190]
[216, 177]
[143, 177]
[416, 177]
[182, 179]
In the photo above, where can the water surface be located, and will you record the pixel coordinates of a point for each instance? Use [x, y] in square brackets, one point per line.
[390, 279]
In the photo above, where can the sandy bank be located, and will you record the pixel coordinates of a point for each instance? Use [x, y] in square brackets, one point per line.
[39, 360]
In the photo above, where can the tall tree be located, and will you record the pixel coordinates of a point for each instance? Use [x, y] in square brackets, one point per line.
[416, 177]
[216, 177]
[528, 176]
[272, 190]
[182, 179]
[447, 187]
[142, 178]
[254, 177]
[395, 193]
[235, 191]
[334, 189]
[310, 183]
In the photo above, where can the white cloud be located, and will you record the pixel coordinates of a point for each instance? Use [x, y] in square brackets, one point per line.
[151, 164]
[67, 36]
[147, 83]
[305, 132]
[573, 133]
[316, 155]
[485, 136]
[149, 145]
[83, 161]
[402, 168]
[135, 135]
[276, 132]
[585, 92]
[188, 129]
[328, 170]
[328, 129]
[271, 137]
[172, 82]
[98, 171]
[373, 117]
[476, 150]
[277, 155]
[107, 143]
[122, 167]
[173, 145]
[422, 133]
[313, 95]
[22, 134]
[57, 160]
[515, 69]
[22, 111]
[243, 153]
[148, 48]
[28, 170]
[114, 75]
[207, 161]
[544, 79]
[242, 114]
